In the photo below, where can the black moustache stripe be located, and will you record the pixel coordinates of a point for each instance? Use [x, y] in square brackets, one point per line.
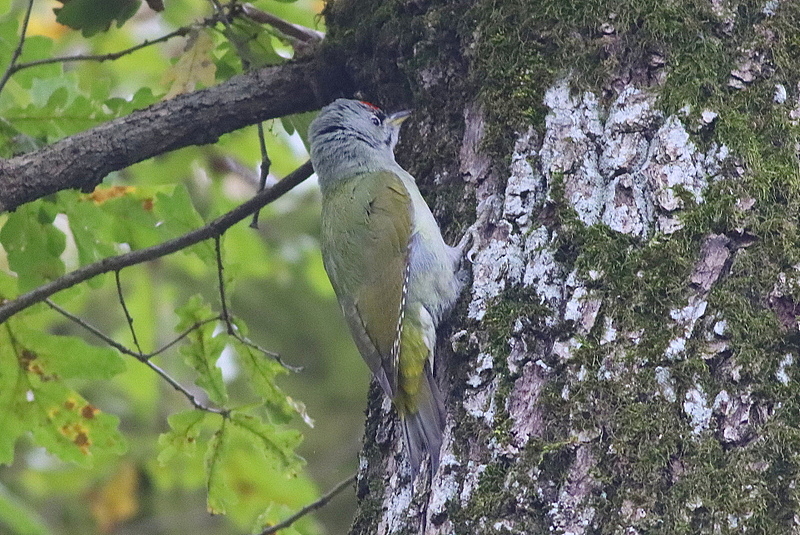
[348, 133]
[330, 129]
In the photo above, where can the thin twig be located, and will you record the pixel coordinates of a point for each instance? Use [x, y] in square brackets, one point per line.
[226, 317]
[144, 359]
[310, 507]
[273, 355]
[180, 32]
[128, 316]
[294, 31]
[95, 331]
[264, 172]
[180, 388]
[17, 51]
[225, 18]
[181, 336]
[215, 228]
[233, 331]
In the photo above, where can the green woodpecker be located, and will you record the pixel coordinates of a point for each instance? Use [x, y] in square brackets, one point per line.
[393, 274]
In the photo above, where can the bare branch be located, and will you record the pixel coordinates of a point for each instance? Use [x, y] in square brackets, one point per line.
[226, 317]
[293, 31]
[215, 228]
[231, 328]
[144, 359]
[17, 51]
[271, 354]
[128, 316]
[310, 507]
[180, 32]
[81, 161]
[264, 171]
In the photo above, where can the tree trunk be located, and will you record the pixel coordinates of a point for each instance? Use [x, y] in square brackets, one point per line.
[623, 359]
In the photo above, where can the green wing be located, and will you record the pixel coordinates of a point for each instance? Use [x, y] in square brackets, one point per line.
[366, 229]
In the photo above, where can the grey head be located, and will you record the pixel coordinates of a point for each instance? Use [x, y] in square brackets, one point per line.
[350, 137]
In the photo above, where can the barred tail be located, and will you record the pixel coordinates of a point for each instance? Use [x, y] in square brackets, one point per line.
[423, 428]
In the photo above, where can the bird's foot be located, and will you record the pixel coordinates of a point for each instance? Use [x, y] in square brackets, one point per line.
[468, 244]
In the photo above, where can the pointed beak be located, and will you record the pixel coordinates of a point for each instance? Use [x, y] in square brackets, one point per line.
[397, 118]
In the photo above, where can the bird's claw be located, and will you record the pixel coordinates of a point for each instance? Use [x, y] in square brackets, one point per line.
[468, 244]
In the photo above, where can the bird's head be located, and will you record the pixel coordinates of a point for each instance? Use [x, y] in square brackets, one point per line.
[353, 133]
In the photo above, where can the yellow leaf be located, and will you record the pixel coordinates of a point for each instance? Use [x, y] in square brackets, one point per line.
[194, 67]
[102, 194]
[117, 500]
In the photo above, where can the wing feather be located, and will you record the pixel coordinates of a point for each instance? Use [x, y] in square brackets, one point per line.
[366, 231]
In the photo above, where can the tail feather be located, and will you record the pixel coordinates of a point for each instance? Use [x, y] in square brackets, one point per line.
[423, 428]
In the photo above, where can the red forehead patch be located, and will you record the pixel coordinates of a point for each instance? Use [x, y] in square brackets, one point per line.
[370, 105]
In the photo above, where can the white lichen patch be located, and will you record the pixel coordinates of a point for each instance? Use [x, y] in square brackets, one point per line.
[480, 404]
[525, 187]
[781, 374]
[542, 271]
[609, 332]
[395, 506]
[564, 349]
[685, 318]
[720, 327]
[582, 310]
[666, 384]
[471, 478]
[673, 166]
[482, 364]
[696, 407]
[628, 171]
[499, 264]
[569, 149]
[445, 485]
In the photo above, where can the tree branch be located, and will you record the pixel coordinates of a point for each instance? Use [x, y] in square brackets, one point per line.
[81, 161]
[114, 263]
[310, 507]
[17, 51]
[180, 32]
[293, 31]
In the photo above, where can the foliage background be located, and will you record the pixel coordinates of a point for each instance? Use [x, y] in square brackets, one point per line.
[274, 278]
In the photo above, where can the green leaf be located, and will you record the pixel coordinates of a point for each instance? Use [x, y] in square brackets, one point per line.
[178, 216]
[220, 495]
[262, 371]
[90, 226]
[11, 388]
[62, 357]
[13, 142]
[141, 99]
[33, 245]
[34, 398]
[19, 517]
[194, 67]
[185, 428]
[68, 426]
[203, 349]
[299, 123]
[94, 16]
[254, 42]
[276, 445]
[8, 286]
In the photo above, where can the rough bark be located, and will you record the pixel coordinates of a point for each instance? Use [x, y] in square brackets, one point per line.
[82, 161]
[623, 360]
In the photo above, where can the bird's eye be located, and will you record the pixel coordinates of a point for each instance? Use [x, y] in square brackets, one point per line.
[376, 121]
